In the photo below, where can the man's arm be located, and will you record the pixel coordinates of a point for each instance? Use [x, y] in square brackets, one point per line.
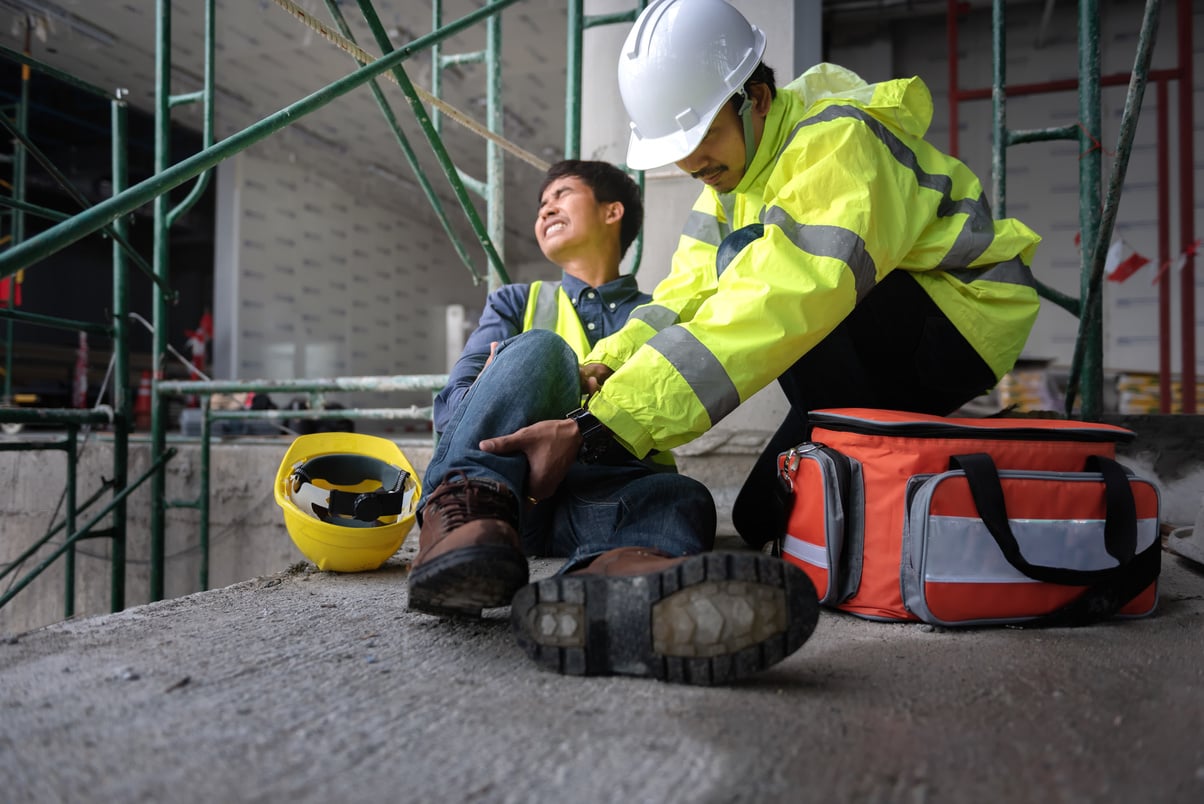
[691, 280]
[502, 318]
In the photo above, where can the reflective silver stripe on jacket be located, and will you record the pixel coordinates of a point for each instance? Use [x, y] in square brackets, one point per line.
[655, 316]
[705, 228]
[547, 307]
[977, 232]
[828, 241]
[1013, 272]
[700, 369]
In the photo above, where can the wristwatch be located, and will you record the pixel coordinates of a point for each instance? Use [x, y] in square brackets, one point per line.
[596, 438]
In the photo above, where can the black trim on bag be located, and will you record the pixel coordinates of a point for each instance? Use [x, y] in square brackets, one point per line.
[912, 429]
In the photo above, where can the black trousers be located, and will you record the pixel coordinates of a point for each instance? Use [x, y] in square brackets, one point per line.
[896, 350]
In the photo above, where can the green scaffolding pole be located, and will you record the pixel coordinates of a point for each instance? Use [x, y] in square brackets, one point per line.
[1095, 223]
[74, 419]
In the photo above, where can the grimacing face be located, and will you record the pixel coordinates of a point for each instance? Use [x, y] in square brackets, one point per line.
[571, 220]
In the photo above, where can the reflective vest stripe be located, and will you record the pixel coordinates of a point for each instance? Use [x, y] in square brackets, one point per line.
[705, 228]
[977, 232]
[960, 550]
[655, 316]
[1012, 271]
[698, 367]
[544, 303]
[544, 313]
[828, 241]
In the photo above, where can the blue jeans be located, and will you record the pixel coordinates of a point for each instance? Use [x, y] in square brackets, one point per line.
[624, 503]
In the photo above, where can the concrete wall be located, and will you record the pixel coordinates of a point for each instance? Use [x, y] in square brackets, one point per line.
[248, 539]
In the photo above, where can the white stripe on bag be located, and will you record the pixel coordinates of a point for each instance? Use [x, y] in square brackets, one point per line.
[960, 550]
[806, 551]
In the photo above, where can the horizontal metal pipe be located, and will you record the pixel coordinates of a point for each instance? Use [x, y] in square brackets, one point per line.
[53, 321]
[1021, 136]
[400, 382]
[278, 414]
[55, 416]
[46, 69]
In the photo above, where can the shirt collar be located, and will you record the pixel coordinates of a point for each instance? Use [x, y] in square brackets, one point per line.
[616, 290]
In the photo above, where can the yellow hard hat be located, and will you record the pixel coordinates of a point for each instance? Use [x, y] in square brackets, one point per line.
[349, 499]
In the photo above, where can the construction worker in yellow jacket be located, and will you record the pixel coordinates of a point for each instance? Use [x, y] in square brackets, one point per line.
[833, 249]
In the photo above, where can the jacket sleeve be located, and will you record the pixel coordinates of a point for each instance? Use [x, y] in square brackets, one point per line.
[840, 212]
[502, 318]
[678, 296]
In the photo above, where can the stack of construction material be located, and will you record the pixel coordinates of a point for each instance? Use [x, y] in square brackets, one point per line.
[1140, 393]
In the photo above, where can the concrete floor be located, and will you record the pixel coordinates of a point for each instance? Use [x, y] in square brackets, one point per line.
[316, 687]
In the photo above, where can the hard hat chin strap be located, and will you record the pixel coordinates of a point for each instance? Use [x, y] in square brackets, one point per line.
[355, 509]
[745, 113]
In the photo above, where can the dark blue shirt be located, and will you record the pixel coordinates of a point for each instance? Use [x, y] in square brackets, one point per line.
[602, 311]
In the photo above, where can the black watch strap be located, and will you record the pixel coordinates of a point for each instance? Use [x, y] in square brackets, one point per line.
[596, 439]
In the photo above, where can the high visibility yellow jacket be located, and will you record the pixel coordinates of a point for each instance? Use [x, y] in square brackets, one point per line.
[847, 191]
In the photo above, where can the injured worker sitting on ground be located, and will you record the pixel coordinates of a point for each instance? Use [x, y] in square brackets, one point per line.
[635, 533]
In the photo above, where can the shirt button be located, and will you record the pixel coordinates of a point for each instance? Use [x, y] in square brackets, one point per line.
[590, 295]
[612, 305]
[590, 326]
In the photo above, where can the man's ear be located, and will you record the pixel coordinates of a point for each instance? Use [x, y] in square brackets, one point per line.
[761, 98]
[614, 211]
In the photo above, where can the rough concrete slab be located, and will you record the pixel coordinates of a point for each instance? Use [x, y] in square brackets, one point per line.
[315, 687]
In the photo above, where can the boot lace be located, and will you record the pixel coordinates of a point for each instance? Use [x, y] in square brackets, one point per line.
[461, 499]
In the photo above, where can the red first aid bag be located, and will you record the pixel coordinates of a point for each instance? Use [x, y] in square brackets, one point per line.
[957, 521]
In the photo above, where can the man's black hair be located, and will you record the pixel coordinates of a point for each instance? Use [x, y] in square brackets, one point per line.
[609, 183]
[763, 74]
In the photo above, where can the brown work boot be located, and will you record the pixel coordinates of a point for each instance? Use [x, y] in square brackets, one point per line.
[469, 556]
[704, 619]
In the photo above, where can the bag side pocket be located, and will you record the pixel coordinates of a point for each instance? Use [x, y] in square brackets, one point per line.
[955, 573]
[817, 529]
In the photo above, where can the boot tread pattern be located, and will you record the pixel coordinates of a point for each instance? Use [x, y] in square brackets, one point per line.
[711, 619]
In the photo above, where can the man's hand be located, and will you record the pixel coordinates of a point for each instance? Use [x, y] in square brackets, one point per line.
[593, 375]
[492, 353]
[550, 446]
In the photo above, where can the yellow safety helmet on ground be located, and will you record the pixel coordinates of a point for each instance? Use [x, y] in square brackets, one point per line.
[349, 499]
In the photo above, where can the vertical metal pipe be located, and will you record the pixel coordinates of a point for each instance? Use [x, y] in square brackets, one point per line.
[1091, 377]
[121, 357]
[1187, 209]
[495, 167]
[69, 553]
[159, 336]
[572, 101]
[954, 81]
[999, 140]
[18, 233]
[436, 65]
[206, 428]
[1164, 253]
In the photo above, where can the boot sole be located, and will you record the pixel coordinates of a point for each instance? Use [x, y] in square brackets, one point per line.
[465, 581]
[712, 619]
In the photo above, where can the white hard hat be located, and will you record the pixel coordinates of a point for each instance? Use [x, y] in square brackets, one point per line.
[681, 62]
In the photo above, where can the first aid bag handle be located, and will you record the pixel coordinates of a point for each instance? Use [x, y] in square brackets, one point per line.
[1120, 523]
